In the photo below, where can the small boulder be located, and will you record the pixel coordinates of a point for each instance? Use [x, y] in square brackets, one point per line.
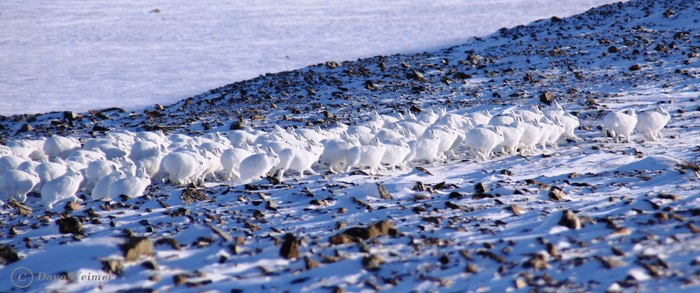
[136, 247]
[290, 247]
[69, 225]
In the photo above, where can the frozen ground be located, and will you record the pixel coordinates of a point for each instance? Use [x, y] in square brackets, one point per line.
[80, 55]
[638, 203]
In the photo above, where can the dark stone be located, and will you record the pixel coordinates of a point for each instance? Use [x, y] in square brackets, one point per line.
[613, 49]
[635, 67]
[290, 247]
[8, 255]
[69, 225]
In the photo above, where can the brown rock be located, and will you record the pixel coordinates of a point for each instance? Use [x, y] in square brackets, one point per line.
[172, 242]
[517, 210]
[372, 262]
[383, 192]
[555, 193]
[192, 194]
[223, 234]
[547, 97]
[290, 247]
[340, 239]
[113, 266]
[481, 188]
[310, 263]
[538, 262]
[136, 247]
[23, 209]
[570, 220]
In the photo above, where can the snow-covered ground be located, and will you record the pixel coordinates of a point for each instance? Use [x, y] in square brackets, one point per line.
[588, 215]
[84, 54]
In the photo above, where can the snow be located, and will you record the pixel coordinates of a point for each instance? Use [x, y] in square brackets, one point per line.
[84, 54]
[638, 207]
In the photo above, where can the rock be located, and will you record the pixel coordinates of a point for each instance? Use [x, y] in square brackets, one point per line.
[73, 206]
[613, 49]
[238, 125]
[555, 193]
[372, 262]
[461, 75]
[21, 208]
[415, 74]
[552, 250]
[538, 262]
[370, 85]
[172, 242]
[113, 266]
[99, 128]
[570, 220]
[135, 247]
[516, 210]
[332, 64]
[340, 239]
[424, 170]
[610, 262]
[635, 67]
[191, 194]
[271, 205]
[69, 225]
[69, 115]
[471, 268]
[383, 192]
[223, 234]
[547, 97]
[310, 263]
[355, 234]
[481, 188]
[8, 255]
[180, 279]
[434, 220]
[693, 228]
[328, 115]
[26, 127]
[661, 48]
[151, 265]
[669, 13]
[290, 247]
[382, 228]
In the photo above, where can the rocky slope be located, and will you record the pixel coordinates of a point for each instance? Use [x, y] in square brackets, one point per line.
[588, 216]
